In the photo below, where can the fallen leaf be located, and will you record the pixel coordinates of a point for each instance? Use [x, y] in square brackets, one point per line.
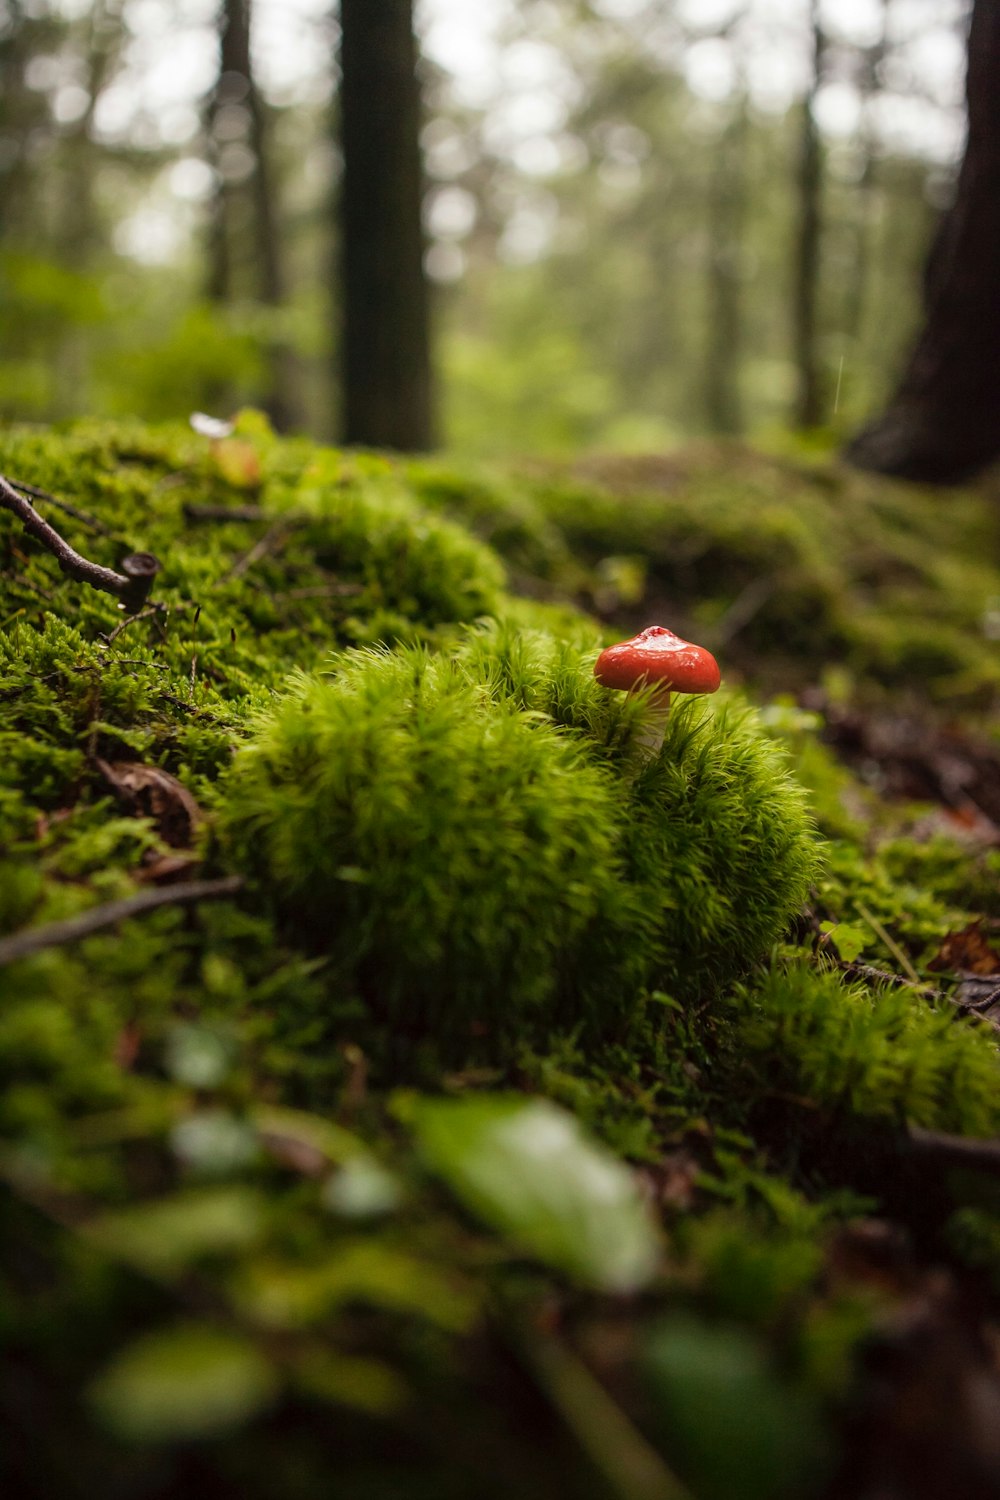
[148, 792]
[966, 952]
[237, 463]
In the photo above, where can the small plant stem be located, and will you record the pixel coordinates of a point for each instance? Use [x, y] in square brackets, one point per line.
[131, 586]
[897, 952]
[631, 1466]
[59, 934]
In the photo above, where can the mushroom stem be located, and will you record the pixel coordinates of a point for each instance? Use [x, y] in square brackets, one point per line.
[649, 736]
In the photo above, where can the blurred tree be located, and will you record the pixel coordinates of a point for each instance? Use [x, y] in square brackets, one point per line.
[245, 244]
[943, 423]
[808, 248]
[385, 363]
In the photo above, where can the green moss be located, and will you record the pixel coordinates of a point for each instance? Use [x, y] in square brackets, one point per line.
[889, 1055]
[470, 844]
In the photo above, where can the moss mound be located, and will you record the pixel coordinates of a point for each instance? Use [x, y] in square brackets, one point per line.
[467, 857]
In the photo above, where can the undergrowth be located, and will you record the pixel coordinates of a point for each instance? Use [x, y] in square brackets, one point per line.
[237, 1255]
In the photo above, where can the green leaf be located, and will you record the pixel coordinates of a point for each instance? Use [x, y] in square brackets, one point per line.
[164, 1236]
[528, 1170]
[733, 1426]
[851, 939]
[186, 1382]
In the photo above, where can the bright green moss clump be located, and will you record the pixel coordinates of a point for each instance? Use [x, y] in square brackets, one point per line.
[466, 859]
[889, 1055]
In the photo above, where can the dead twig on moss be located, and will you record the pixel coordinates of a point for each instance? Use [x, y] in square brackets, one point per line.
[59, 934]
[154, 611]
[35, 492]
[954, 1150]
[131, 585]
[195, 512]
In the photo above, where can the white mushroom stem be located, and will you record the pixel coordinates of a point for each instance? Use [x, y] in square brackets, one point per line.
[649, 736]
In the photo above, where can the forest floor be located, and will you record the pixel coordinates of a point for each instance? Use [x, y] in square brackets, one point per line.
[731, 1224]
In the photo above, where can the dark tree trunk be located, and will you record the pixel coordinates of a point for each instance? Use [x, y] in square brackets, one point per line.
[385, 362]
[726, 212]
[943, 424]
[809, 397]
[265, 275]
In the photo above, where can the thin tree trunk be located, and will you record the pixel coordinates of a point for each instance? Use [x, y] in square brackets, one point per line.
[237, 85]
[856, 293]
[385, 361]
[726, 212]
[943, 424]
[809, 398]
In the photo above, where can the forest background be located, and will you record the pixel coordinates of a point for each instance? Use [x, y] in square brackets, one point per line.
[644, 219]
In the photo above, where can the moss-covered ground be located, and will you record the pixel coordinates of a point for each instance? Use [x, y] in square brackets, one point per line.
[537, 1117]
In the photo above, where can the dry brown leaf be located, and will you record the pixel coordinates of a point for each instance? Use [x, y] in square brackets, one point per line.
[966, 952]
[148, 792]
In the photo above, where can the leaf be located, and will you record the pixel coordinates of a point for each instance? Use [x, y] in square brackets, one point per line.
[191, 1381]
[526, 1168]
[362, 1189]
[733, 1426]
[285, 1294]
[148, 792]
[967, 952]
[166, 1235]
[237, 462]
[849, 939]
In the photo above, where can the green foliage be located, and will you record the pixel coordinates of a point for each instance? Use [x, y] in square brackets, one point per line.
[186, 1382]
[528, 1170]
[416, 822]
[888, 1055]
[736, 1425]
[418, 831]
[208, 1204]
[818, 565]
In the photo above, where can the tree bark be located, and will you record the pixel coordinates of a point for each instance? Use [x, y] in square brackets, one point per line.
[726, 212]
[237, 86]
[385, 364]
[943, 423]
[809, 397]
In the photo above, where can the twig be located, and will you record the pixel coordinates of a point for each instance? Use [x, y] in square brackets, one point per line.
[83, 516]
[131, 586]
[742, 610]
[58, 934]
[955, 1150]
[269, 542]
[886, 976]
[194, 512]
[197, 713]
[897, 952]
[624, 1457]
[144, 614]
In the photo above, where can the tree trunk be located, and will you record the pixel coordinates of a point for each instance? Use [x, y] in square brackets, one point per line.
[809, 398]
[385, 356]
[726, 212]
[943, 424]
[265, 280]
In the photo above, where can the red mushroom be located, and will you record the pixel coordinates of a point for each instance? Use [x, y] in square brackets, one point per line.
[658, 659]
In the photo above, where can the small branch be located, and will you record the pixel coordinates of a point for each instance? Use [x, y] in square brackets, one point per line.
[194, 512]
[145, 614]
[58, 934]
[131, 586]
[84, 517]
[954, 1150]
[271, 541]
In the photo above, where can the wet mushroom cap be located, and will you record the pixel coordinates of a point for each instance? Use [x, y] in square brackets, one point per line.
[657, 655]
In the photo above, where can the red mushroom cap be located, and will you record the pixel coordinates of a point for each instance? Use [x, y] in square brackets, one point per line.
[657, 655]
